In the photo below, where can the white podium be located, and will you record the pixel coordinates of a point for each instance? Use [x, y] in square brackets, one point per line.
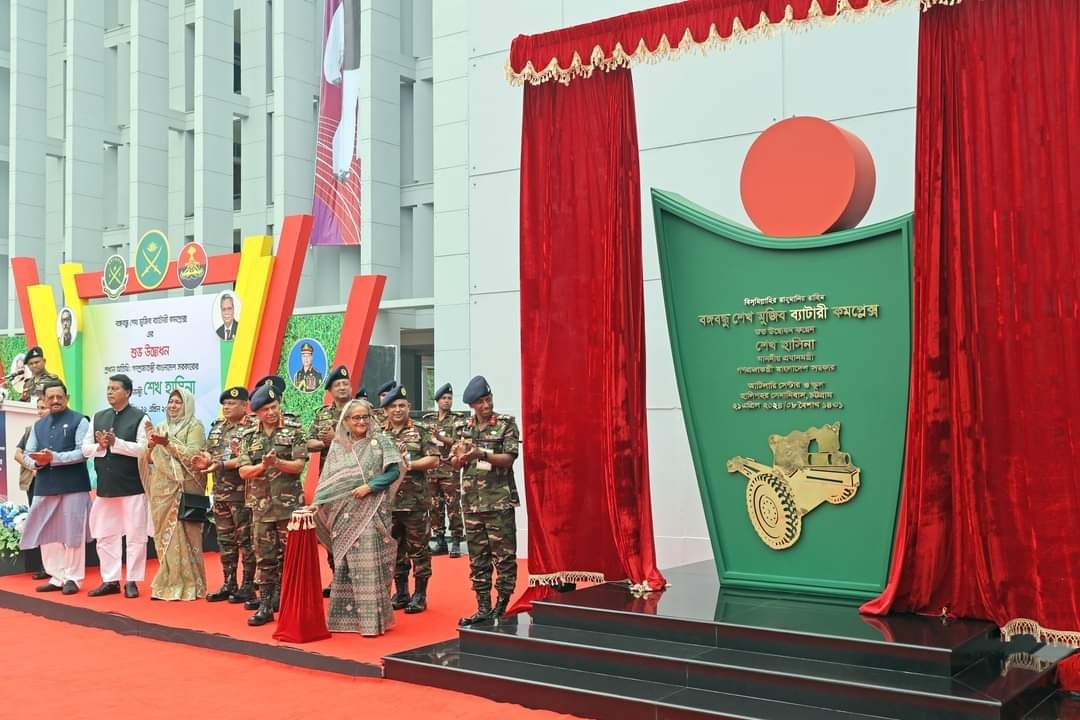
[15, 417]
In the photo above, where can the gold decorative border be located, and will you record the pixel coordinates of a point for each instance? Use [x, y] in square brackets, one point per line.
[664, 49]
[568, 576]
[1027, 626]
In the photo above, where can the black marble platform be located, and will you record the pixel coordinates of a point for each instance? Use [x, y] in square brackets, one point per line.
[697, 651]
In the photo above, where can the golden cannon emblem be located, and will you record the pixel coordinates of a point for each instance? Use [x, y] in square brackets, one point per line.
[799, 480]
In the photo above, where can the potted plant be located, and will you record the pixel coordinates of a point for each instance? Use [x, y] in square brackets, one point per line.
[12, 521]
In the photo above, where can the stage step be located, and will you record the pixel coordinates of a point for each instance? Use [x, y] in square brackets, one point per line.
[586, 694]
[980, 691]
[807, 628]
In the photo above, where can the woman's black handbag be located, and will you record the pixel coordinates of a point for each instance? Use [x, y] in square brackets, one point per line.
[194, 507]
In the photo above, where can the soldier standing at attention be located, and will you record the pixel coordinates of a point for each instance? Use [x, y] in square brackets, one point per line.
[410, 507]
[272, 456]
[486, 448]
[39, 376]
[232, 519]
[324, 426]
[378, 414]
[443, 480]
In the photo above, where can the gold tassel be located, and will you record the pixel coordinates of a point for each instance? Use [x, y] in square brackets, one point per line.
[765, 27]
[567, 576]
[1026, 626]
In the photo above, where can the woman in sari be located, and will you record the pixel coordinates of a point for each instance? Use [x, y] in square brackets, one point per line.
[181, 574]
[353, 499]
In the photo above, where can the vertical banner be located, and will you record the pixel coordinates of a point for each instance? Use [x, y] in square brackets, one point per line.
[336, 204]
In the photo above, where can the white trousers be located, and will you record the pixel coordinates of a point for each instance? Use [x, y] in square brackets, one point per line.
[111, 519]
[346, 140]
[64, 563]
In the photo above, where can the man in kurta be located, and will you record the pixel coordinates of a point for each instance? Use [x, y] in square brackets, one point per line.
[445, 486]
[232, 519]
[486, 448]
[57, 522]
[410, 509]
[39, 376]
[323, 427]
[120, 510]
[272, 456]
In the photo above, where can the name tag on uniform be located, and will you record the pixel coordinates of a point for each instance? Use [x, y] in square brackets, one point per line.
[483, 465]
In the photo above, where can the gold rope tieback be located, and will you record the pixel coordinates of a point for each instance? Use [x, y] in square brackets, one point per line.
[1026, 626]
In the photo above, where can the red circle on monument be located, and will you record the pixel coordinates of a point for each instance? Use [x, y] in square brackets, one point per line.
[805, 176]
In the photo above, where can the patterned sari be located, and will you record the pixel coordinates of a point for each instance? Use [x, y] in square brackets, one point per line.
[181, 574]
[359, 531]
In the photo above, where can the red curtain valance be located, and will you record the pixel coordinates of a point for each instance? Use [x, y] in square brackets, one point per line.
[648, 35]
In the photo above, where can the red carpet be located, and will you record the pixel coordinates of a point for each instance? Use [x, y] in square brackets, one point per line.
[449, 598]
[66, 671]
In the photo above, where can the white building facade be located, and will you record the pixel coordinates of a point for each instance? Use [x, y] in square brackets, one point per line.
[199, 116]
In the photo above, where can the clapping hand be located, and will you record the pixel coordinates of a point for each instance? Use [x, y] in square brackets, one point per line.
[201, 461]
[270, 459]
[326, 435]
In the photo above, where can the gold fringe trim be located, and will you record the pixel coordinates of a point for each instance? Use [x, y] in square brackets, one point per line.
[1026, 626]
[1025, 661]
[567, 576]
[302, 519]
[664, 50]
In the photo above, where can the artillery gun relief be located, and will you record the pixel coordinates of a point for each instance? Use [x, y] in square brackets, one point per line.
[778, 497]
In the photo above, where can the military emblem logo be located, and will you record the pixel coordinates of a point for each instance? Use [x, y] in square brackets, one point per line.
[191, 265]
[114, 278]
[800, 479]
[151, 259]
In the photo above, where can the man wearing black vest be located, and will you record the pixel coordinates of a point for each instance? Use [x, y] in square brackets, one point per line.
[120, 509]
[58, 516]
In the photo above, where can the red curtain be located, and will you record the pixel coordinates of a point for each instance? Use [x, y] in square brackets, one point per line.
[303, 617]
[672, 21]
[583, 336]
[992, 494]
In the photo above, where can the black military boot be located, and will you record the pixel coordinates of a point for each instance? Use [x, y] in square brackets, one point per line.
[275, 599]
[418, 603]
[455, 548]
[246, 591]
[401, 597]
[501, 603]
[227, 589]
[483, 611]
[255, 601]
[440, 546]
[265, 613]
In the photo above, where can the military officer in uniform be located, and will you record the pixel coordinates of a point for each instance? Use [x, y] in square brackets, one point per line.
[485, 450]
[232, 518]
[410, 507]
[378, 414]
[443, 480]
[278, 384]
[272, 456]
[361, 394]
[39, 376]
[323, 427]
[307, 378]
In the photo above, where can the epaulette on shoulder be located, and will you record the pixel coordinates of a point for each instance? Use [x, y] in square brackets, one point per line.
[505, 418]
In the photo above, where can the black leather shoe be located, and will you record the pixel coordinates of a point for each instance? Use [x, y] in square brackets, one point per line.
[106, 588]
[245, 593]
[221, 595]
[40, 575]
[48, 587]
[70, 588]
[482, 614]
[252, 604]
[418, 602]
[131, 590]
[326, 591]
[262, 616]
[455, 549]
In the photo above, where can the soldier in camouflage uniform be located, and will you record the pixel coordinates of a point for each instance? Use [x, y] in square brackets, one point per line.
[323, 427]
[485, 450]
[232, 519]
[292, 420]
[40, 377]
[378, 414]
[444, 484]
[272, 457]
[410, 508]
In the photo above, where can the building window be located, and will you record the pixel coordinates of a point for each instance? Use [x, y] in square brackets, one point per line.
[237, 129]
[269, 158]
[236, 52]
[237, 240]
[269, 46]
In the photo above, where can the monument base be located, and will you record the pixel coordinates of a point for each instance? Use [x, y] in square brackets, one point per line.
[696, 651]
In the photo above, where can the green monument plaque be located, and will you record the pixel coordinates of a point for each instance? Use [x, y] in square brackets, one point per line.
[792, 358]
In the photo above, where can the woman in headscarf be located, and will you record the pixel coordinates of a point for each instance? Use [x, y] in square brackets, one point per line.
[181, 574]
[353, 499]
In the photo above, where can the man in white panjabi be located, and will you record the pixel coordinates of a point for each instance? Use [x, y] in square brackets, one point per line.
[117, 444]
